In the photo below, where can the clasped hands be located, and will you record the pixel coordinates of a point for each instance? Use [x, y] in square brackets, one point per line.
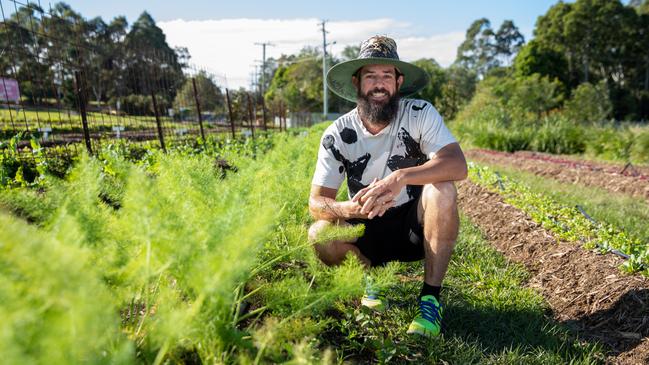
[379, 196]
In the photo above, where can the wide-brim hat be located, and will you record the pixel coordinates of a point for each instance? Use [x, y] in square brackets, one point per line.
[377, 50]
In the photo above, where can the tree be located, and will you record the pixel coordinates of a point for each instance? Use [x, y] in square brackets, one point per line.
[508, 42]
[477, 50]
[484, 49]
[210, 96]
[298, 85]
[150, 61]
[536, 58]
[350, 52]
[457, 91]
[589, 103]
[534, 94]
[433, 91]
[641, 6]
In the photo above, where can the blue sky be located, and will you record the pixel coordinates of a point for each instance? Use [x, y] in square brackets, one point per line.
[427, 16]
[220, 35]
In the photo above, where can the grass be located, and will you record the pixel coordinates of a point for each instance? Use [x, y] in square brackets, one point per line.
[627, 213]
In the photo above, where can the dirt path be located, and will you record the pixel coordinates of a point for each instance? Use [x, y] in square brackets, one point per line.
[585, 290]
[634, 181]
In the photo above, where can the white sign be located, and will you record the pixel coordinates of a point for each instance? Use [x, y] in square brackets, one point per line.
[46, 131]
[118, 129]
[9, 90]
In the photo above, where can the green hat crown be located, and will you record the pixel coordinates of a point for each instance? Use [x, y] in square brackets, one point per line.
[377, 50]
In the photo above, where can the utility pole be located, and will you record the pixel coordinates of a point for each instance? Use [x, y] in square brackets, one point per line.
[325, 103]
[263, 77]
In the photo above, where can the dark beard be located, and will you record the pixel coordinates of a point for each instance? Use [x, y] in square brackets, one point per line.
[377, 113]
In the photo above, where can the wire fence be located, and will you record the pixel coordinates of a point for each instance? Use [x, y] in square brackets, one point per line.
[74, 83]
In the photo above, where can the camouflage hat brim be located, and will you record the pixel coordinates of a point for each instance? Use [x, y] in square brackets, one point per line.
[339, 77]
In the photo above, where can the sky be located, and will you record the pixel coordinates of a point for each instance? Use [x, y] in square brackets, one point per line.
[221, 35]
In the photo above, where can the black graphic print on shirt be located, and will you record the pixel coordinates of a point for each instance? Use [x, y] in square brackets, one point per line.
[413, 157]
[354, 169]
[348, 136]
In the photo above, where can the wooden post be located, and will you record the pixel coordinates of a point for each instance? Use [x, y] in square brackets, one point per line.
[198, 109]
[251, 116]
[227, 98]
[158, 122]
[81, 94]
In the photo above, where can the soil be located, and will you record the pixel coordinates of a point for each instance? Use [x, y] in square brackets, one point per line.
[626, 179]
[585, 290]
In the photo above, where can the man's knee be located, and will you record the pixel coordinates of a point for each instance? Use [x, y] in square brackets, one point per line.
[316, 229]
[441, 195]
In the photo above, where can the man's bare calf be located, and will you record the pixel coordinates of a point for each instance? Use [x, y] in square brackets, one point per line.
[437, 212]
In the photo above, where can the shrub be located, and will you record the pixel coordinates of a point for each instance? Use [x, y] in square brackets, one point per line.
[559, 135]
[610, 142]
[589, 103]
[640, 148]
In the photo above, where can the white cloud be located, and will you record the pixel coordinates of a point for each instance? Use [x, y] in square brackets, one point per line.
[227, 46]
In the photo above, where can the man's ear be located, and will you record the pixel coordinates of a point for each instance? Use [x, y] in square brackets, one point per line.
[355, 81]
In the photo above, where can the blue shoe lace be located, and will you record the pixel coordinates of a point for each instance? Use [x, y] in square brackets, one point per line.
[429, 310]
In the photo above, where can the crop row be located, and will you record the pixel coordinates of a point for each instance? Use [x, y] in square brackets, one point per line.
[570, 223]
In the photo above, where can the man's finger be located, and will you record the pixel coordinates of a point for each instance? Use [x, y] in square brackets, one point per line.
[368, 205]
[385, 207]
[386, 197]
[359, 195]
[380, 209]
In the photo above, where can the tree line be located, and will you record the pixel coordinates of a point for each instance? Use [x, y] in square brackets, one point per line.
[55, 53]
[599, 45]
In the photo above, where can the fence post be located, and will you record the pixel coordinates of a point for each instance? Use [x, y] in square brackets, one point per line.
[263, 112]
[157, 122]
[227, 98]
[81, 95]
[282, 115]
[198, 109]
[251, 116]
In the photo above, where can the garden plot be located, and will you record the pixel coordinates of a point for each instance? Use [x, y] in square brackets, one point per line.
[585, 289]
[631, 180]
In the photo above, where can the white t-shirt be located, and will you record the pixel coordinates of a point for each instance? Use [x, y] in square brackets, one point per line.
[348, 149]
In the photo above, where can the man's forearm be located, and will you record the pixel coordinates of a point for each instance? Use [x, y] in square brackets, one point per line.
[434, 171]
[323, 208]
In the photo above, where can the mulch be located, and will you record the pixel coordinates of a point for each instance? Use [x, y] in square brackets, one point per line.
[585, 290]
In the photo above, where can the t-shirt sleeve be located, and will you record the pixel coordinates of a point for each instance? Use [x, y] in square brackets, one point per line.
[434, 133]
[329, 170]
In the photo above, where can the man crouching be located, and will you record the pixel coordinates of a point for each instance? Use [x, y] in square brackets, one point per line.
[400, 161]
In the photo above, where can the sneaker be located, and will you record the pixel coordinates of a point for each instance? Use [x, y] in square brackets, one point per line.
[428, 321]
[374, 298]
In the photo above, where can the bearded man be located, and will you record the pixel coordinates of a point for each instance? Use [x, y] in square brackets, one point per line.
[400, 162]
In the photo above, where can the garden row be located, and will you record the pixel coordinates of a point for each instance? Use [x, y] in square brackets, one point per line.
[571, 223]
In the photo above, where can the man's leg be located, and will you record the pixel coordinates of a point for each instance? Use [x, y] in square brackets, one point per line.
[437, 212]
[334, 252]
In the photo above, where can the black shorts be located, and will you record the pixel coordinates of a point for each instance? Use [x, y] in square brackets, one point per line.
[396, 236]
